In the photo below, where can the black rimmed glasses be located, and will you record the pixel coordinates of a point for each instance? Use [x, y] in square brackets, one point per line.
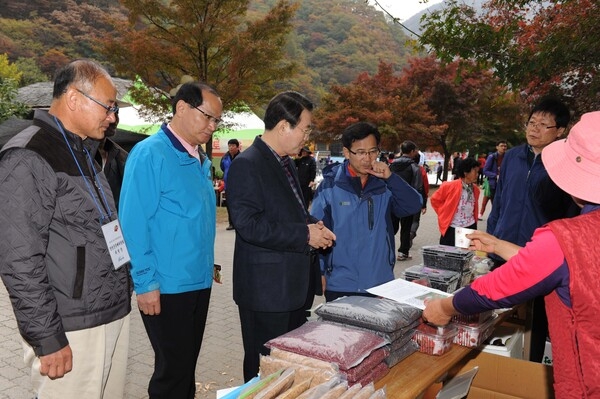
[211, 119]
[109, 109]
[362, 153]
[535, 125]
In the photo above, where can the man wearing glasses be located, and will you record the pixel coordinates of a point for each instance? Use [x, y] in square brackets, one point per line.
[526, 198]
[357, 199]
[71, 298]
[168, 212]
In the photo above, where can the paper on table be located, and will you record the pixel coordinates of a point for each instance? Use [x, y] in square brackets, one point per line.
[407, 292]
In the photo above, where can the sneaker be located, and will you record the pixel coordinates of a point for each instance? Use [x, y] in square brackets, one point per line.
[230, 227]
[401, 257]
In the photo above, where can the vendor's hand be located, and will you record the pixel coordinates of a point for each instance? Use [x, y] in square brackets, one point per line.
[438, 311]
[423, 211]
[380, 169]
[320, 236]
[57, 364]
[481, 241]
[149, 303]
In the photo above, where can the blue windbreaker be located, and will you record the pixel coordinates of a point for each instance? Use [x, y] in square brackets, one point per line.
[361, 218]
[167, 212]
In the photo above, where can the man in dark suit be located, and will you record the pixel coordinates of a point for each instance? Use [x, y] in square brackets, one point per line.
[275, 275]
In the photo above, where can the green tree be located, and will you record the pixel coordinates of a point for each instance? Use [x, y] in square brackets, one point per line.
[539, 47]
[9, 79]
[209, 40]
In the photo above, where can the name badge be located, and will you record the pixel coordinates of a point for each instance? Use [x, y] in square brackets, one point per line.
[116, 243]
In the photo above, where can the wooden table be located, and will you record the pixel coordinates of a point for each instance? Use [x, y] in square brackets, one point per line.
[412, 376]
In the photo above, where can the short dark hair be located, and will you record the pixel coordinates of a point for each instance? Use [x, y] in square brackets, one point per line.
[287, 106]
[407, 146]
[82, 72]
[358, 131]
[234, 142]
[191, 93]
[465, 166]
[501, 142]
[554, 107]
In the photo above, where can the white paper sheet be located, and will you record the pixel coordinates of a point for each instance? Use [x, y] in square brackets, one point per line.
[407, 292]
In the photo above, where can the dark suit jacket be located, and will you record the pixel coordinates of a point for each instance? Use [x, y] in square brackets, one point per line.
[272, 260]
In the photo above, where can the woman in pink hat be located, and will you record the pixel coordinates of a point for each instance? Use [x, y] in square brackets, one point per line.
[559, 263]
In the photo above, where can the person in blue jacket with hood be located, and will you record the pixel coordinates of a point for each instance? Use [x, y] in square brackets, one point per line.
[356, 200]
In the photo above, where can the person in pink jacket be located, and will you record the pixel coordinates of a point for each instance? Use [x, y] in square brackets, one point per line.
[456, 202]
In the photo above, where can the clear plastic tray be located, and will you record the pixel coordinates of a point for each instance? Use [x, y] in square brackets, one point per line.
[434, 341]
[472, 336]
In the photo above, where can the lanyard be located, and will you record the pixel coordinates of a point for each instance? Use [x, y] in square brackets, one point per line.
[104, 217]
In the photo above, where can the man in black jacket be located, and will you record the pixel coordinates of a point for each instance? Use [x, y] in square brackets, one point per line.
[275, 272]
[405, 167]
[112, 158]
[307, 171]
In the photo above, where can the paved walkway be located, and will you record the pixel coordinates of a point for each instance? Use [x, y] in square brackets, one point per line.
[220, 361]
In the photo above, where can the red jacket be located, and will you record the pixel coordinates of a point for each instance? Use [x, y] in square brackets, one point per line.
[445, 202]
[575, 332]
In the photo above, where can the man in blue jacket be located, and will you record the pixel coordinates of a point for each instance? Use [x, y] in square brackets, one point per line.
[169, 210]
[526, 198]
[356, 200]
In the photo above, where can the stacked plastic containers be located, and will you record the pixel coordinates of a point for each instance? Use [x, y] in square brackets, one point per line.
[445, 267]
[473, 330]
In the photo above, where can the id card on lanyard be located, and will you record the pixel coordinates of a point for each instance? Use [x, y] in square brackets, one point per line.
[111, 230]
[116, 243]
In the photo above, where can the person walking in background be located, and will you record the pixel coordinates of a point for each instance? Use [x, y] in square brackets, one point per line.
[558, 263]
[70, 299]
[456, 158]
[419, 160]
[481, 158]
[405, 167]
[112, 158]
[356, 199]
[456, 202]
[233, 150]
[491, 169]
[307, 171]
[439, 171]
[526, 198]
[275, 267]
[168, 213]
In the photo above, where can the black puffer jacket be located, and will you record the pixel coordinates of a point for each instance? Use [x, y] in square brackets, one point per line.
[54, 259]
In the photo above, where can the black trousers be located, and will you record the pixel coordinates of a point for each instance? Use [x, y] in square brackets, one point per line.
[176, 337]
[405, 226]
[260, 327]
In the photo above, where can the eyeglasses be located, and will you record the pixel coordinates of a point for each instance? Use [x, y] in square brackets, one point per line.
[362, 154]
[109, 110]
[308, 130]
[535, 125]
[211, 119]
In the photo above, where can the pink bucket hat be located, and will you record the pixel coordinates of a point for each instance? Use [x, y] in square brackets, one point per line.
[574, 162]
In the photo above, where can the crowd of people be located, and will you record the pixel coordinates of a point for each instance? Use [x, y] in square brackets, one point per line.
[86, 224]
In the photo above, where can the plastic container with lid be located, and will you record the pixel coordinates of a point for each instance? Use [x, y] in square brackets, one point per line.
[447, 257]
[473, 335]
[473, 319]
[440, 279]
[434, 341]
